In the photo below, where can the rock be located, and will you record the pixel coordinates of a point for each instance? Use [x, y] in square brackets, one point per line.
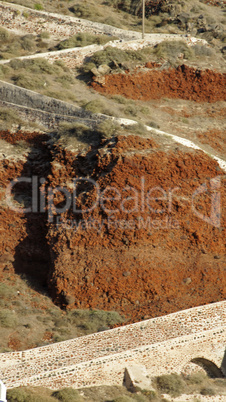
[101, 70]
[7, 257]
[104, 69]
[136, 378]
[187, 281]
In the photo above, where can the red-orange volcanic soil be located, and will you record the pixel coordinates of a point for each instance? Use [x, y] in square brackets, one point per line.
[183, 82]
[142, 257]
[145, 249]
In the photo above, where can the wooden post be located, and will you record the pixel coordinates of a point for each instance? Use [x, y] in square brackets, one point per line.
[143, 18]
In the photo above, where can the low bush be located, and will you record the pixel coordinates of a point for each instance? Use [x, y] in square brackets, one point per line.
[37, 66]
[5, 290]
[131, 110]
[123, 398]
[66, 80]
[29, 395]
[84, 39]
[201, 50]
[9, 116]
[4, 35]
[120, 99]
[171, 384]
[27, 43]
[95, 106]
[196, 378]
[85, 11]
[138, 128]
[171, 49]
[208, 391]
[8, 319]
[77, 130]
[38, 6]
[68, 395]
[29, 82]
[44, 35]
[113, 56]
[94, 320]
[108, 128]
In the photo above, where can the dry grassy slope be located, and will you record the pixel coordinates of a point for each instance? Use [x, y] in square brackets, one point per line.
[202, 122]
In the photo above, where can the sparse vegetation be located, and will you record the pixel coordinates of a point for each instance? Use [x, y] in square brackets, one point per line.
[108, 128]
[38, 6]
[104, 394]
[84, 39]
[36, 321]
[171, 49]
[170, 384]
[8, 319]
[9, 116]
[208, 391]
[115, 58]
[68, 394]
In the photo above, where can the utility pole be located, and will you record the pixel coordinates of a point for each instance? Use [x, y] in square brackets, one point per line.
[143, 18]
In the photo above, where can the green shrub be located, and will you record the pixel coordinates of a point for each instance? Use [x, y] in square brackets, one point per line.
[108, 128]
[66, 80]
[28, 395]
[5, 290]
[123, 398]
[25, 14]
[8, 319]
[130, 110]
[9, 116]
[196, 378]
[140, 398]
[85, 11]
[94, 320]
[208, 391]
[77, 130]
[38, 6]
[151, 395]
[153, 124]
[112, 21]
[171, 49]
[121, 99]
[44, 35]
[84, 39]
[171, 384]
[113, 56]
[68, 395]
[138, 128]
[201, 50]
[37, 65]
[28, 82]
[62, 65]
[27, 43]
[95, 106]
[17, 395]
[4, 35]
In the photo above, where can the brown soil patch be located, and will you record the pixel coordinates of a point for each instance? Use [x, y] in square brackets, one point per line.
[142, 261]
[183, 82]
[32, 138]
[128, 265]
[215, 138]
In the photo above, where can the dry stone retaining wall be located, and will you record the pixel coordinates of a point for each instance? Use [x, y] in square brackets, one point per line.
[163, 345]
[25, 20]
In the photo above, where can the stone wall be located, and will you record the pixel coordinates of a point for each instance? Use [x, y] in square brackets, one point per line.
[163, 344]
[46, 119]
[25, 20]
